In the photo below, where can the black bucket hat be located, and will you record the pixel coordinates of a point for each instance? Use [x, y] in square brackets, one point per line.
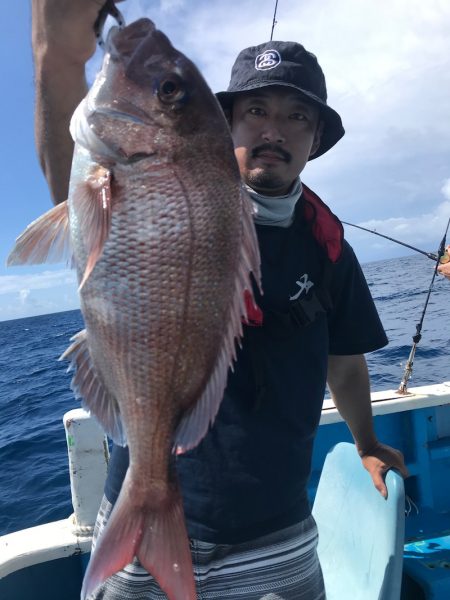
[290, 65]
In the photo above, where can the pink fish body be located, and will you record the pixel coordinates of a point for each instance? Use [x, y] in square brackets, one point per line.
[163, 241]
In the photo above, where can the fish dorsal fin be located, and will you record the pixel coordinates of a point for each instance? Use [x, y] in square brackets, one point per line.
[86, 384]
[92, 200]
[195, 424]
[47, 239]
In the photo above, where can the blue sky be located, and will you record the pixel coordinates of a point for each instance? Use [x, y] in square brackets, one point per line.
[388, 75]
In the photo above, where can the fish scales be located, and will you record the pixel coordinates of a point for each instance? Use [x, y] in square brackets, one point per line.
[163, 241]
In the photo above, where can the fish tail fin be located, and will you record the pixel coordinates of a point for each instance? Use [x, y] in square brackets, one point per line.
[164, 552]
[157, 536]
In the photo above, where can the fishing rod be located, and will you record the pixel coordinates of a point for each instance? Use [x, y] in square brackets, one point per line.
[274, 22]
[427, 254]
[418, 335]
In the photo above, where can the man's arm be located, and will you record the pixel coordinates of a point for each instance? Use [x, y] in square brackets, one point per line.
[349, 384]
[63, 40]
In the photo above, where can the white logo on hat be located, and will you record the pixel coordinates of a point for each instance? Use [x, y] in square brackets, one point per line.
[267, 60]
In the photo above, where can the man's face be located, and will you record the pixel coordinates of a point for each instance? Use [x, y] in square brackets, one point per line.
[274, 132]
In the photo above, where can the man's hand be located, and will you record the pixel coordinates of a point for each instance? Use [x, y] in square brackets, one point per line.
[64, 29]
[378, 460]
[444, 269]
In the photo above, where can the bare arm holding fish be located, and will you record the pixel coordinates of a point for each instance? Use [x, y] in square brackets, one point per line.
[63, 40]
[348, 380]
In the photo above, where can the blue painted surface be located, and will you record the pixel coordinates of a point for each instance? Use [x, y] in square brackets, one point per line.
[423, 435]
[361, 534]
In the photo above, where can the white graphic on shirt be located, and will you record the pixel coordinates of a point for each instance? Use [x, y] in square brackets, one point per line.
[304, 284]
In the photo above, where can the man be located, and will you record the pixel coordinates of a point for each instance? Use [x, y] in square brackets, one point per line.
[244, 486]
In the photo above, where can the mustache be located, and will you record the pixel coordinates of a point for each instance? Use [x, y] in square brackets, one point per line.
[271, 148]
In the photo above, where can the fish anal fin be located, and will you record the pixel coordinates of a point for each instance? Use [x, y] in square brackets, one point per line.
[92, 201]
[195, 424]
[86, 384]
[47, 239]
[154, 532]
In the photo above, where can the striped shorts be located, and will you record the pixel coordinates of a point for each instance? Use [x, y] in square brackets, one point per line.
[279, 566]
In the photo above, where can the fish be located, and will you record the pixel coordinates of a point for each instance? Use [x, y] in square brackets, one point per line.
[160, 231]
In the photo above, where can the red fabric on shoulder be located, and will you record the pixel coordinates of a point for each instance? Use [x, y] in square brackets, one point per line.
[254, 313]
[326, 228]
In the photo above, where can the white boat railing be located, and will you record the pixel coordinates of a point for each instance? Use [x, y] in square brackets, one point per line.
[390, 401]
[88, 452]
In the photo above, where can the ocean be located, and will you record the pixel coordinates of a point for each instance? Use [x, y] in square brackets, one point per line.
[35, 392]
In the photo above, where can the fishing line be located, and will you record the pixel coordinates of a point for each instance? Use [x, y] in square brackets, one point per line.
[418, 335]
[427, 254]
[274, 22]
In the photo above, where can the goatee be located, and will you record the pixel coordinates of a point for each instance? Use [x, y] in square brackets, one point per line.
[261, 180]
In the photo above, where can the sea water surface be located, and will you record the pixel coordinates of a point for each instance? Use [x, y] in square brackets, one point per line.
[35, 392]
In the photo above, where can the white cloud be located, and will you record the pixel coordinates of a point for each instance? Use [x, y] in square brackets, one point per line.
[171, 5]
[24, 284]
[37, 293]
[23, 295]
[423, 231]
[446, 188]
[419, 228]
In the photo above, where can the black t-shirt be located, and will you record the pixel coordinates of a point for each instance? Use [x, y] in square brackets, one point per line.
[249, 475]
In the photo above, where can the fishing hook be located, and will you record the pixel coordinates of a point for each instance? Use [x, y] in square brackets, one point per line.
[108, 9]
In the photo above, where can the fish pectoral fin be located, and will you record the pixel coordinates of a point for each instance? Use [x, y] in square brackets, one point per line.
[195, 424]
[92, 201]
[155, 534]
[86, 384]
[47, 239]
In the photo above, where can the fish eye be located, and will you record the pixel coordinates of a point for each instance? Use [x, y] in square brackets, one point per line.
[171, 89]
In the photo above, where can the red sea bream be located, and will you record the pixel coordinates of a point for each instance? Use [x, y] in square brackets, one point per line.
[162, 237]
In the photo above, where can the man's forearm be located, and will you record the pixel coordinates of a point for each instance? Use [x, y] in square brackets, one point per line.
[59, 89]
[348, 380]
[63, 40]
[349, 384]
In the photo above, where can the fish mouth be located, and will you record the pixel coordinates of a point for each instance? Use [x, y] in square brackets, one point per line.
[142, 48]
[122, 42]
[124, 110]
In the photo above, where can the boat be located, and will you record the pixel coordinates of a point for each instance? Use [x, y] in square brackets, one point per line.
[410, 562]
